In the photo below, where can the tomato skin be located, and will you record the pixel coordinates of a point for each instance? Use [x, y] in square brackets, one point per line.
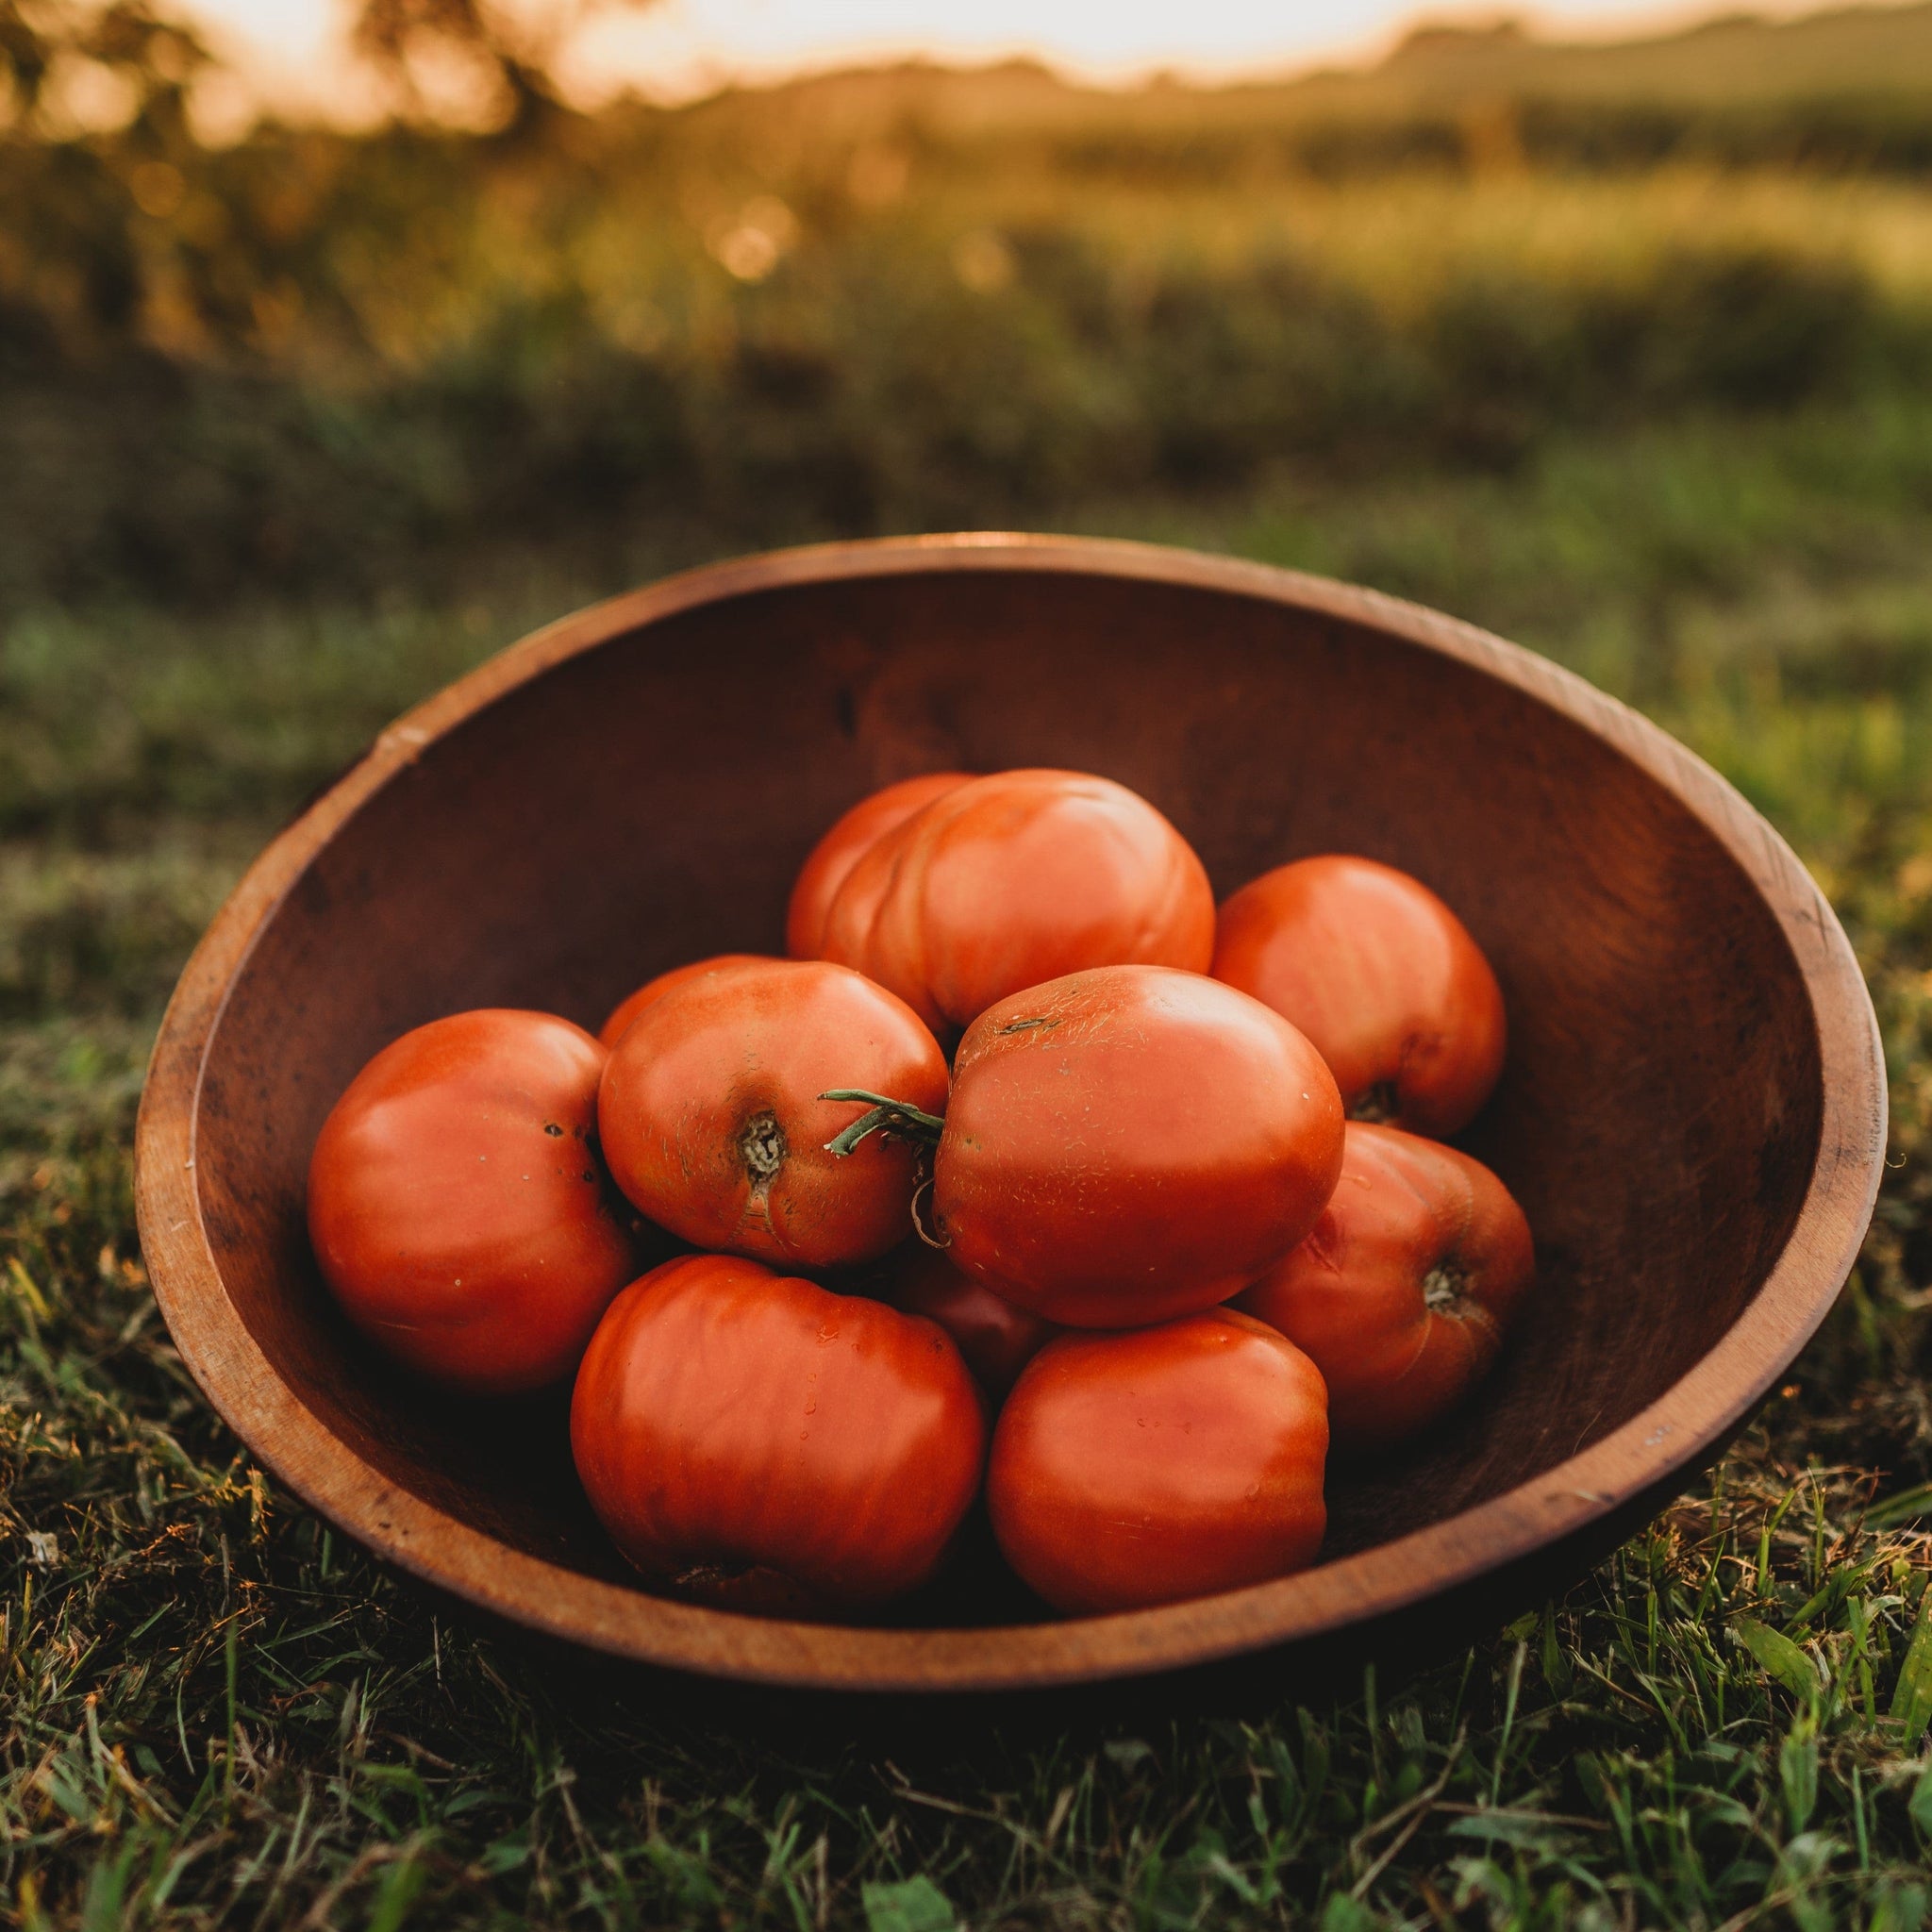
[1014, 879]
[457, 1208]
[997, 1337]
[1404, 1289]
[842, 848]
[653, 990]
[1149, 1466]
[1381, 975]
[713, 1123]
[727, 1420]
[1130, 1144]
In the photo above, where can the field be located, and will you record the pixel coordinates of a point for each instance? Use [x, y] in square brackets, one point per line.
[1667, 418]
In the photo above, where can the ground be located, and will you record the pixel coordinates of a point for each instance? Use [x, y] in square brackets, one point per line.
[217, 1713]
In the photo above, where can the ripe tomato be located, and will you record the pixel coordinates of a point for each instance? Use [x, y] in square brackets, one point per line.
[457, 1204]
[713, 1122]
[1381, 975]
[997, 1338]
[1010, 880]
[1404, 1289]
[769, 1445]
[1127, 1144]
[653, 990]
[1141, 1468]
[839, 850]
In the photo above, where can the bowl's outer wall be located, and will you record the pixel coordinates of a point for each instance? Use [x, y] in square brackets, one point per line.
[648, 801]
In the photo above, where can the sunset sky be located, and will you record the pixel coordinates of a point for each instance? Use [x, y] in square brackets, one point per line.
[676, 48]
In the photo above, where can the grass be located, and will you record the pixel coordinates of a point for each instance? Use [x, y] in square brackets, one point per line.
[217, 1713]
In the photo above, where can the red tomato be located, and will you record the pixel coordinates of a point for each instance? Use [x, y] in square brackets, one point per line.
[1010, 880]
[997, 1339]
[1132, 1143]
[840, 849]
[653, 990]
[1141, 1468]
[457, 1204]
[713, 1124]
[1404, 1289]
[769, 1445]
[1381, 975]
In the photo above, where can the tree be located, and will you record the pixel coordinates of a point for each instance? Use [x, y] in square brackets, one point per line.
[510, 52]
[156, 56]
[514, 54]
[27, 51]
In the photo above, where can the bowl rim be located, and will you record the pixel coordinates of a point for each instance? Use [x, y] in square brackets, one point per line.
[1698, 1413]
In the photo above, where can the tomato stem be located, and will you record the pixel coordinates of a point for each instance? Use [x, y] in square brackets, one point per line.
[762, 1147]
[887, 1116]
[1445, 1287]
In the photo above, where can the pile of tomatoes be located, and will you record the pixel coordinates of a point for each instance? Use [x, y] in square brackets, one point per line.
[1028, 1175]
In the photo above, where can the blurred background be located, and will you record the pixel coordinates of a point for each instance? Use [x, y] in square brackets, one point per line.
[341, 341]
[301, 301]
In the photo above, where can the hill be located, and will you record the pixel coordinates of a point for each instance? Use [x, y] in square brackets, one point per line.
[1851, 84]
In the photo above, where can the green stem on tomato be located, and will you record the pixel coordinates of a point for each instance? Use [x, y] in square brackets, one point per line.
[887, 1115]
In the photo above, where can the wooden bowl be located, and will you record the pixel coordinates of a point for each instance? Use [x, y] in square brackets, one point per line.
[1692, 1115]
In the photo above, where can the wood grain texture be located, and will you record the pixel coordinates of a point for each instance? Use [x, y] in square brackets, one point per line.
[1692, 1112]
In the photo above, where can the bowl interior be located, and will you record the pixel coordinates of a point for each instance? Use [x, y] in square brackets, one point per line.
[649, 800]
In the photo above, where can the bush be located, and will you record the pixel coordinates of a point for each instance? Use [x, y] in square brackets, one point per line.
[317, 359]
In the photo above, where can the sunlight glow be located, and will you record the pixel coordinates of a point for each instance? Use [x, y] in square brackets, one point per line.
[295, 52]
